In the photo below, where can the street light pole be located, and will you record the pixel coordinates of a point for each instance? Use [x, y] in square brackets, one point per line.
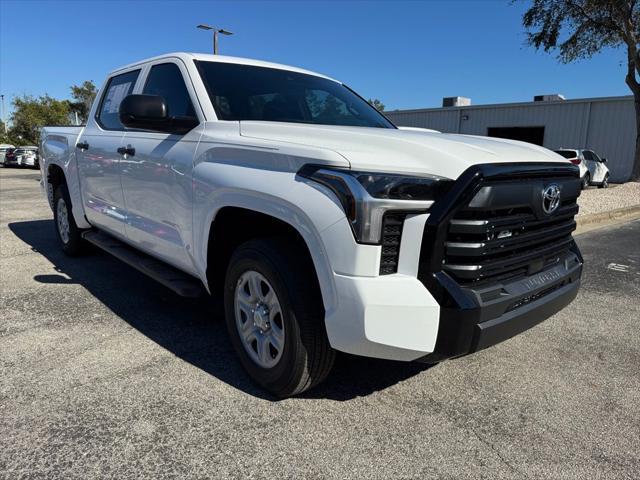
[216, 31]
[4, 122]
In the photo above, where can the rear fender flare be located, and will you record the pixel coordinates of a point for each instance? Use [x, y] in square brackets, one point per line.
[55, 150]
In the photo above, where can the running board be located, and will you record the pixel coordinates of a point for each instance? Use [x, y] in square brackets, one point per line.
[181, 283]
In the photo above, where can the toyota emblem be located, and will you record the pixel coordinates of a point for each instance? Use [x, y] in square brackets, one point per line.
[550, 199]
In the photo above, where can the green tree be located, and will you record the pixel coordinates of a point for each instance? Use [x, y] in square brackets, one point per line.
[4, 137]
[578, 29]
[83, 96]
[31, 114]
[377, 104]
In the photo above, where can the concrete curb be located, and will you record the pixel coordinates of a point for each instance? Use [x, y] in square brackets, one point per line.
[612, 217]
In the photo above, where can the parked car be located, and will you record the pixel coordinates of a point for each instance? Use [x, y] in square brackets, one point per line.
[323, 226]
[9, 157]
[593, 170]
[25, 156]
[4, 148]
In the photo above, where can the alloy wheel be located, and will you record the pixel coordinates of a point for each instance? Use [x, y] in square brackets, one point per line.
[63, 220]
[259, 319]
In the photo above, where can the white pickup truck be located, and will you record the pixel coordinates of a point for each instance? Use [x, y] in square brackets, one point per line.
[324, 226]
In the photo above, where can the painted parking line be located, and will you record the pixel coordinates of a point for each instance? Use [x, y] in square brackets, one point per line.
[618, 267]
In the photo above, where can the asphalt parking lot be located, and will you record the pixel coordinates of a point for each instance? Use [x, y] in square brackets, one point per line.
[105, 374]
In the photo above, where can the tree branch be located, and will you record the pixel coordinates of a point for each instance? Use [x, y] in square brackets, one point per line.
[608, 25]
[633, 66]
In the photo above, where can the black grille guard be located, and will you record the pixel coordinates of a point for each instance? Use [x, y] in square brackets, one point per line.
[470, 315]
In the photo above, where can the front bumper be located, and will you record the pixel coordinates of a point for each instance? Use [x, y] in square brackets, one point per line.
[395, 317]
[392, 317]
[483, 318]
[422, 312]
[510, 324]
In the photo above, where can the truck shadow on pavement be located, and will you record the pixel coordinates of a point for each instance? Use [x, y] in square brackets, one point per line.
[193, 330]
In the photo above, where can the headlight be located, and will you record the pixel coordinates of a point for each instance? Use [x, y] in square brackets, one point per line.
[367, 196]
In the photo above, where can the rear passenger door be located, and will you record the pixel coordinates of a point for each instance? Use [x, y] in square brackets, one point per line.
[156, 179]
[99, 163]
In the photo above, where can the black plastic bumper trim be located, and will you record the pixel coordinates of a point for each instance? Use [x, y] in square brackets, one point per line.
[517, 321]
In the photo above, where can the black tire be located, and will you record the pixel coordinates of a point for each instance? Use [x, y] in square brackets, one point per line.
[586, 180]
[74, 244]
[306, 357]
[605, 182]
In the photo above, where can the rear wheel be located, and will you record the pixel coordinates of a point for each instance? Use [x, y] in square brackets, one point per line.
[67, 231]
[605, 182]
[275, 316]
[586, 180]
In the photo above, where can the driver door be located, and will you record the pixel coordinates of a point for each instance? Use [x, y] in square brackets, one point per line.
[156, 176]
[599, 168]
[590, 164]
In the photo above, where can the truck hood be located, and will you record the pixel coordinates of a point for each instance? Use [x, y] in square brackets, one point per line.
[402, 151]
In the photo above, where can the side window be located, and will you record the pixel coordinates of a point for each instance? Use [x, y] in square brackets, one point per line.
[587, 155]
[118, 87]
[166, 80]
[595, 157]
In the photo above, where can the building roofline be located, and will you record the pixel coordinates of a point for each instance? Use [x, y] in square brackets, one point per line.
[516, 104]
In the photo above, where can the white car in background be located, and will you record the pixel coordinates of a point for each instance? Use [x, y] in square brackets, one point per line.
[24, 156]
[3, 151]
[593, 170]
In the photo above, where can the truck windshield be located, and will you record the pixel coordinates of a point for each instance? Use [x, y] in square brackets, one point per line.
[246, 92]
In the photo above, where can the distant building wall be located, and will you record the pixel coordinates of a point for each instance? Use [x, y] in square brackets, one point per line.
[605, 125]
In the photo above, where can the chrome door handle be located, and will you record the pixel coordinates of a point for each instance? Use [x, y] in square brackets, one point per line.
[127, 151]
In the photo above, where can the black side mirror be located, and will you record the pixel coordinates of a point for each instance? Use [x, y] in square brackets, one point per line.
[604, 160]
[149, 112]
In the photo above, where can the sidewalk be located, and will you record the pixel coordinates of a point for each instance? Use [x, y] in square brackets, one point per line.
[608, 206]
[598, 200]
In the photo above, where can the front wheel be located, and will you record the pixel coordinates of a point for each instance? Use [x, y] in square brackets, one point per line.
[275, 316]
[68, 233]
[605, 182]
[586, 180]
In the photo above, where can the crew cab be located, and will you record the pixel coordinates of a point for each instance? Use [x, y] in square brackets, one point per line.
[324, 226]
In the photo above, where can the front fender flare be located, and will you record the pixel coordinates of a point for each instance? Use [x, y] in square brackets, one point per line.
[280, 209]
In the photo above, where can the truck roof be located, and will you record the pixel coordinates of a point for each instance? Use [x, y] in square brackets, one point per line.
[185, 56]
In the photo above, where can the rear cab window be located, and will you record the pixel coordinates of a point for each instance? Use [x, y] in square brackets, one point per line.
[117, 88]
